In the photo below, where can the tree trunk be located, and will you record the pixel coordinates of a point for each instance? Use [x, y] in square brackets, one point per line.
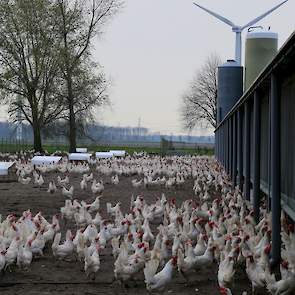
[36, 124]
[72, 117]
[37, 137]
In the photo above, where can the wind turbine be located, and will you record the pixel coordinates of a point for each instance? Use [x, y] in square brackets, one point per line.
[238, 29]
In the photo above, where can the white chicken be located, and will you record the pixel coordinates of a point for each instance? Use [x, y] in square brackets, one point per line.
[39, 181]
[83, 184]
[2, 259]
[192, 262]
[91, 263]
[226, 271]
[88, 177]
[52, 187]
[68, 210]
[63, 182]
[64, 250]
[50, 232]
[97, 187]
[158, 281]
[255, 273]
[112, 210]
[94, 207]
[135, 183]
[115, 180]
[282, 287]
[68, 193]
[115, 242]
[38, 243]
[147, 235]
[23, 180]
[11, 253]
[127, 266]
[24, 256]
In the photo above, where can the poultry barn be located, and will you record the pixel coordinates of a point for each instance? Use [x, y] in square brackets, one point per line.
[255, 140]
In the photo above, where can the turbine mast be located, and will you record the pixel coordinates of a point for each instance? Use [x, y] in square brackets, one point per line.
[238, 51]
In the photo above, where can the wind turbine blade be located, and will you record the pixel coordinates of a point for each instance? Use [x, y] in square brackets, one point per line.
[257, 19]
[223, 19]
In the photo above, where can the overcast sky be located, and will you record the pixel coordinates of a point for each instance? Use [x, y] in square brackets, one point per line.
[153, 47]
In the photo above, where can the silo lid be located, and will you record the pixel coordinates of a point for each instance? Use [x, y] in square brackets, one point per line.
[230, 63]
[262, 35]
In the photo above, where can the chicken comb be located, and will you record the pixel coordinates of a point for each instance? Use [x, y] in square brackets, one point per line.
[285, 264]
[267, 249]
[174, 260]
[222, 291]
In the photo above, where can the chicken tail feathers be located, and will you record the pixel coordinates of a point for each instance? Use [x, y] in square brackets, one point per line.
[150, 269]
[56, 241]
[270, 282]
[180, 259]
[109, 205]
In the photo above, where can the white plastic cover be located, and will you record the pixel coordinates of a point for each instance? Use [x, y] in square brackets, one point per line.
[118, 153]
[79, 157]
[103, 155]
[45, 160]
[4, 166]
[81, 150]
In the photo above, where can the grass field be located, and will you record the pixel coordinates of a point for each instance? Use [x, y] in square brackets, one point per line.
[14, 146]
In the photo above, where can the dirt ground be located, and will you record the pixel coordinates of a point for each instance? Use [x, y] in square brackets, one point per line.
[49, 276]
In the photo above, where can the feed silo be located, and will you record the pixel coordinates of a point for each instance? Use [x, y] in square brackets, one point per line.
[261, 47]
[230, 87]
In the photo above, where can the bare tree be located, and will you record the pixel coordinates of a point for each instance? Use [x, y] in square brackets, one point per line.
[199, 103]
[28, 62]
[79, 22]
[90, 91]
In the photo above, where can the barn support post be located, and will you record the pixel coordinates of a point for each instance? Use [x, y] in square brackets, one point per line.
[225, 144]
[240, 149]
[275, 171]
[247, 150]
[226, 147]
[256, 159]
[218, 137]
[229, 147]
[234, 174]
[222, 143]
[217, 144]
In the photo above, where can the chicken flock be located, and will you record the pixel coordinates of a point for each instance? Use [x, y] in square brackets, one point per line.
[156, 239]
